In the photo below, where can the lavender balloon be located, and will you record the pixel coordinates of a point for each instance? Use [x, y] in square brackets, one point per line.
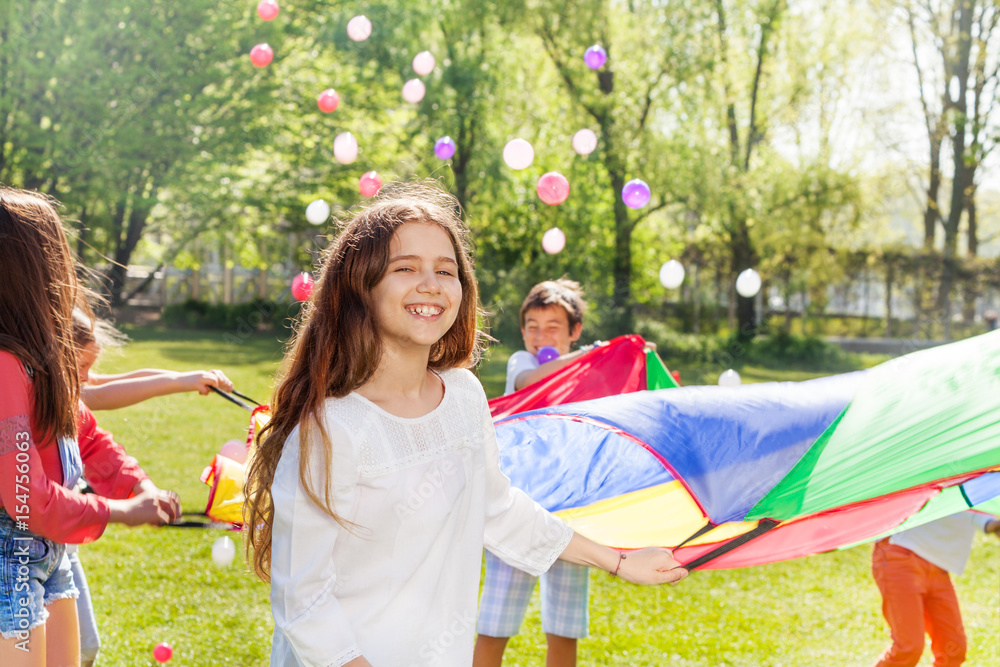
[595, 57]
[444, 148]
[636, 193]
[547, 354]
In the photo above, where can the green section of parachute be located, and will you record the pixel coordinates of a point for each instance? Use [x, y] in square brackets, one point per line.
[657, 375]
[991, 506]
[917, 419]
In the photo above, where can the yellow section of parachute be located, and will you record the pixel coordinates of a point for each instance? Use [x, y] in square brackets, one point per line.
[226, 477]
[662, 514]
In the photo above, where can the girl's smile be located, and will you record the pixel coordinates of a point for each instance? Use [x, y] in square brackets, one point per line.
[417, 300]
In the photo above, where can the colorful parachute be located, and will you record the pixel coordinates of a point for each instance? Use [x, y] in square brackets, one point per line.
[225, 477]
[733, 477]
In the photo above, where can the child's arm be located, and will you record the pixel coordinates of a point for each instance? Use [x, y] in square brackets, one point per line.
[133, 498]
[120, 393]
[651, 565]
[99, 379]
[548, 368]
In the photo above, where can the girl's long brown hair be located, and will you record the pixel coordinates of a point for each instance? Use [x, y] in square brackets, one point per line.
[336, 346]
[38, 290]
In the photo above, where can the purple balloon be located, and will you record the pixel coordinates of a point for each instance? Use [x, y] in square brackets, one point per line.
[444, 148]
[636, 193]
[547, 354]
[595, 57]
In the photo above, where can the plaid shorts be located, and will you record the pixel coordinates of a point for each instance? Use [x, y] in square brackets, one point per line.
[507, 590]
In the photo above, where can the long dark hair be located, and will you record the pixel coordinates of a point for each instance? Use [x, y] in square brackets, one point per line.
[38, 290]
[337, 347]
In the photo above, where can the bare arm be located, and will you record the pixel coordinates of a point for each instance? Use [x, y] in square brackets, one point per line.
[151, 505]
[548, 368]
[120, 393]
[652, 565]
[99, 379]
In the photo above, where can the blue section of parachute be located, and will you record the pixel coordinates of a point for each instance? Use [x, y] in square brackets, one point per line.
[982, 488]
[562, 463]
[729, 445]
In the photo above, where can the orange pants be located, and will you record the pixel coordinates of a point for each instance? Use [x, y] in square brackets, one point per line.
[917, 597]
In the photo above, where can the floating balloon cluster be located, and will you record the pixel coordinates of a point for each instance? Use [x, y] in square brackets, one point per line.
[552, 188]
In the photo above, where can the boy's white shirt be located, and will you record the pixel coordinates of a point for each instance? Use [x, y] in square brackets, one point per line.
[946, 542]
[519, 362]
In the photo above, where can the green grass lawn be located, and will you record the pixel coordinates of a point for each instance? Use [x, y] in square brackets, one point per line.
[160, 584]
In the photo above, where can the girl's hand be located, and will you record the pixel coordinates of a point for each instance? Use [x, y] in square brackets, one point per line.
[152, 506]
[200, 381]
[651, 565]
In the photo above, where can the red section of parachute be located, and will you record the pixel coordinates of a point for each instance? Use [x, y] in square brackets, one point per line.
[619, 367]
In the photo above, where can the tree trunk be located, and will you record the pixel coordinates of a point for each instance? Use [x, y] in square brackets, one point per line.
[932, 211]
[124, 249]
[622, 316]
[889, 277]
[743, 257]
[959, 71]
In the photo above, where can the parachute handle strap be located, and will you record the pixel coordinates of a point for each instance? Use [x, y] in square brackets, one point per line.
[762, 527]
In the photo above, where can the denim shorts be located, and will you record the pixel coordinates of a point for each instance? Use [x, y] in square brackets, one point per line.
[34, 573]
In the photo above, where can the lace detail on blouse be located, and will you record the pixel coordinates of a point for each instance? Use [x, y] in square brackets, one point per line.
[10, 427]
[387, 443]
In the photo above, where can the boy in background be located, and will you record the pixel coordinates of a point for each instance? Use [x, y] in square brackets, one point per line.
[551, 315]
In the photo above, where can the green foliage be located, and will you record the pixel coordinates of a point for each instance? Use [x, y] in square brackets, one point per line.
[242, 319]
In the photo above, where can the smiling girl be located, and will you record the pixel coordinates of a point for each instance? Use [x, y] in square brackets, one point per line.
[376, 483]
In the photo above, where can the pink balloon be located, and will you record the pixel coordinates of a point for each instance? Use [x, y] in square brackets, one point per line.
[235, 450]
[414, 90]
[518, 154]
[328, 100]
[553, 241]
[370, 184]
[423, 63]
[261, 55]
[552, 188]
[359, 28]
[302, 286]
[163, 652]
[267, 9]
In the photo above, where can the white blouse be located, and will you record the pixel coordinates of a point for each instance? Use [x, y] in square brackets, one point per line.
[425, 495]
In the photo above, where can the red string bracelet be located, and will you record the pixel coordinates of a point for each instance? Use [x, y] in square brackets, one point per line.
[621, 557]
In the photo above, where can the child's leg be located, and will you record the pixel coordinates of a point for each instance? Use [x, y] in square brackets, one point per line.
[90, 638]
[505, 596]
[14, 652]
[62, 634]
[62, 631]
[565, 597]
[943, 619]
[901, 578]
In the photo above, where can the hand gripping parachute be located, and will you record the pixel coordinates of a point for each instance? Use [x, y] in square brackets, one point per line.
[734, 477]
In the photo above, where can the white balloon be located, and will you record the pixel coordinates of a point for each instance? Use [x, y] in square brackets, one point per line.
[584, 141]
[413, 91]
[223, 551]
[748, 283]
[730, 378]
[317, 212]
[359, 28]
[672, 274]
[553, 241]
[518, 154]
[423, 63]
[345, 148]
